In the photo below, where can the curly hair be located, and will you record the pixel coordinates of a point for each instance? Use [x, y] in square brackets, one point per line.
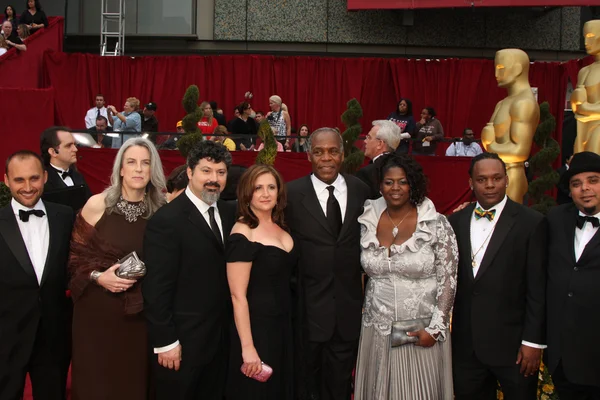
[245, 191]
[213, 151]
[417, 181]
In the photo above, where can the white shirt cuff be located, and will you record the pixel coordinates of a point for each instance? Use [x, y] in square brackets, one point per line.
[164, 349]
[405, 135]
[534, 345]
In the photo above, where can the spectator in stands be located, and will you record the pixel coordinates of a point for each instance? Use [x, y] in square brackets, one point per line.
[149, 121]
[12, 40]
[177, 182]
[34, 17]
[403, 117]
[110, 336]
[127, 121]
[208, 123]
[59, 153]
[429, 133]
[10, 15]
[279, 119]
[259, 117]
[3, 45]
[468, 147]
[279, 145]
[236, 115]
[225, 141]
[244, 125]
[382, 139]
[23, 31]
[216, 114]
[99, 133]
[93, 113]
[171, 142]
[300, 145]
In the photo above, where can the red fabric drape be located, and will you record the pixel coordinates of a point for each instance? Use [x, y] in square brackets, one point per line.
[572, 68]
[448, 176]
[24, 69]
[20, 131]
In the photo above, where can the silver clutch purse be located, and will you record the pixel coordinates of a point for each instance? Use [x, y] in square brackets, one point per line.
[131, 267]
[401, 328]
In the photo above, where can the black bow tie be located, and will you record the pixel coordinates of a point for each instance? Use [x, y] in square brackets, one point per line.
[582, 219]
[65, 174]
[24, 215]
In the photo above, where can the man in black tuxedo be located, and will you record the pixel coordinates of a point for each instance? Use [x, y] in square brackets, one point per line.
[382, 139]
[573, 281]
[34, 243]
[322, 214]
[498, 326]
[59, 153]
[186, 296]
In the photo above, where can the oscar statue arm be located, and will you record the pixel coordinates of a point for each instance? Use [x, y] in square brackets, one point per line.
[579, 95]
[488, 134]
[523, 122]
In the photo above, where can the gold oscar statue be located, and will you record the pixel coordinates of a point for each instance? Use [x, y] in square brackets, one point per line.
[512, 126]
[585, 99]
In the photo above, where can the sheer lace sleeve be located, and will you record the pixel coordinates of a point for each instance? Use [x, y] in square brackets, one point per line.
[446, 263]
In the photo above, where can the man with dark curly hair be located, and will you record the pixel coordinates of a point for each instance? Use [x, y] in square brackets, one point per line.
[186, 296]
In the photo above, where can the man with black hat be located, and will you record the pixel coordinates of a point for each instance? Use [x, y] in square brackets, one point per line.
[149, 121]
[573, 282]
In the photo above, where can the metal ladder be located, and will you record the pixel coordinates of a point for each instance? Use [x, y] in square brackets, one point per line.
[111, 20]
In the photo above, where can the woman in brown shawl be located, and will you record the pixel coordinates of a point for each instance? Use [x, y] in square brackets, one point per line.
[110, 348]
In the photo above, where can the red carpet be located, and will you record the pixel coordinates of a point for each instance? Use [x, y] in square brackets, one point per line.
[27, 393]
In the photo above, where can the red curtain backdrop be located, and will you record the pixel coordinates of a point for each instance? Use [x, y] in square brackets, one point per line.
[448, 176]
[25, 114]
[25, 69]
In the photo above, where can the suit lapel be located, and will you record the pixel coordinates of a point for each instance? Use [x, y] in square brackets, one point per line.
[312, 205]
[54, 228]
[465, 240]
[570, 224]
[198, 220]
[505, 222]
[56, 178]
[352, 204]
[9, 229]
[227, 218]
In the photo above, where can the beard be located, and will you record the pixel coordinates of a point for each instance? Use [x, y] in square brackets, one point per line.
[590, 210]
[210, 196]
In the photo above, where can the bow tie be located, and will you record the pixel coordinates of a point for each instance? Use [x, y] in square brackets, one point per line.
[481, 213]
[582, 219]
[64, 175]
[24, 215]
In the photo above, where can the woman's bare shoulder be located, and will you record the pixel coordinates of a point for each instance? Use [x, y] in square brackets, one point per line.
[94, 208]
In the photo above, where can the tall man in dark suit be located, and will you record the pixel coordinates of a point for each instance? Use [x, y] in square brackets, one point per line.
[186, 296]
[382, 139]
[59, 153]
[573, 283]
[498, 327]
[34, 243]
[322, 214]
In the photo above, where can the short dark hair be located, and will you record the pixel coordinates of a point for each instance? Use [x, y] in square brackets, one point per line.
[100, 95]
[102, 118]
[467, 129]
[178, 179]
[431, 111]
[242, 107]
[49, 140]
[213, 105]
[259, 112]
[417, 181]
[485, 156]
[23, 154]
[38, 6]
[245, 191]
[215, 152]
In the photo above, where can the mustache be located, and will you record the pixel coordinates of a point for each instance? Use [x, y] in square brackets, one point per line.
[211, 183]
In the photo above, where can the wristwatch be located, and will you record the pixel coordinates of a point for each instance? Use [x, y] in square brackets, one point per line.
[94, 275]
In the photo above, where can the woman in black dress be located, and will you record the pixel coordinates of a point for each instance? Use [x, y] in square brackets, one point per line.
[33, 16]
[260, 258]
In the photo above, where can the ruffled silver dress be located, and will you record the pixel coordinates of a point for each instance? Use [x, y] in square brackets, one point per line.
[416, 279]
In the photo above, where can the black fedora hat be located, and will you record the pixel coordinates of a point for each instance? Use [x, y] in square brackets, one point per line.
[586, 161]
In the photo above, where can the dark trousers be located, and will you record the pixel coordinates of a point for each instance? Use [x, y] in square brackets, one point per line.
[47, 373]
[571, 391]
[474, 380]
[330, 368]
[206, 382]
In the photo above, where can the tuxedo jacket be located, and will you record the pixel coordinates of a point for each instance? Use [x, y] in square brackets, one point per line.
[186, 295]
[505, 303]
[29, 309]
[369, 174]
[55, 182]
[329, 269]
[573, 300]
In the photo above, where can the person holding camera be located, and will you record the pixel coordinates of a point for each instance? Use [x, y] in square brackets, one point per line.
[465, 147]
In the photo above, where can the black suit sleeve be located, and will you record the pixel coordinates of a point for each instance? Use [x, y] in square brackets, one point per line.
[535, 312]
[161, 254]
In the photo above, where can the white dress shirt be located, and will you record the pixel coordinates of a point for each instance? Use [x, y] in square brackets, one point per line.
[481, 233]
[92, 114]
[584, 235]
[35, 234]
[340, 192]
[459, 149]
[68, 180]
[203, 208]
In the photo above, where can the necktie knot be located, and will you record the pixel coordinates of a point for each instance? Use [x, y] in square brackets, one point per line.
[481, 213]
[582, 219]
[66, 174]
[24, 215]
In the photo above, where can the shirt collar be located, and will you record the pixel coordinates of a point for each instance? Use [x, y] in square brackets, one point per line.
[198, 202]
[498, 207]
[16, 206]
[597, 215]
[320, 186]
[58, 168]
[379, 155]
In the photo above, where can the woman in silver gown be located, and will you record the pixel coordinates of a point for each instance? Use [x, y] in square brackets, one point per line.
[409, 252]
